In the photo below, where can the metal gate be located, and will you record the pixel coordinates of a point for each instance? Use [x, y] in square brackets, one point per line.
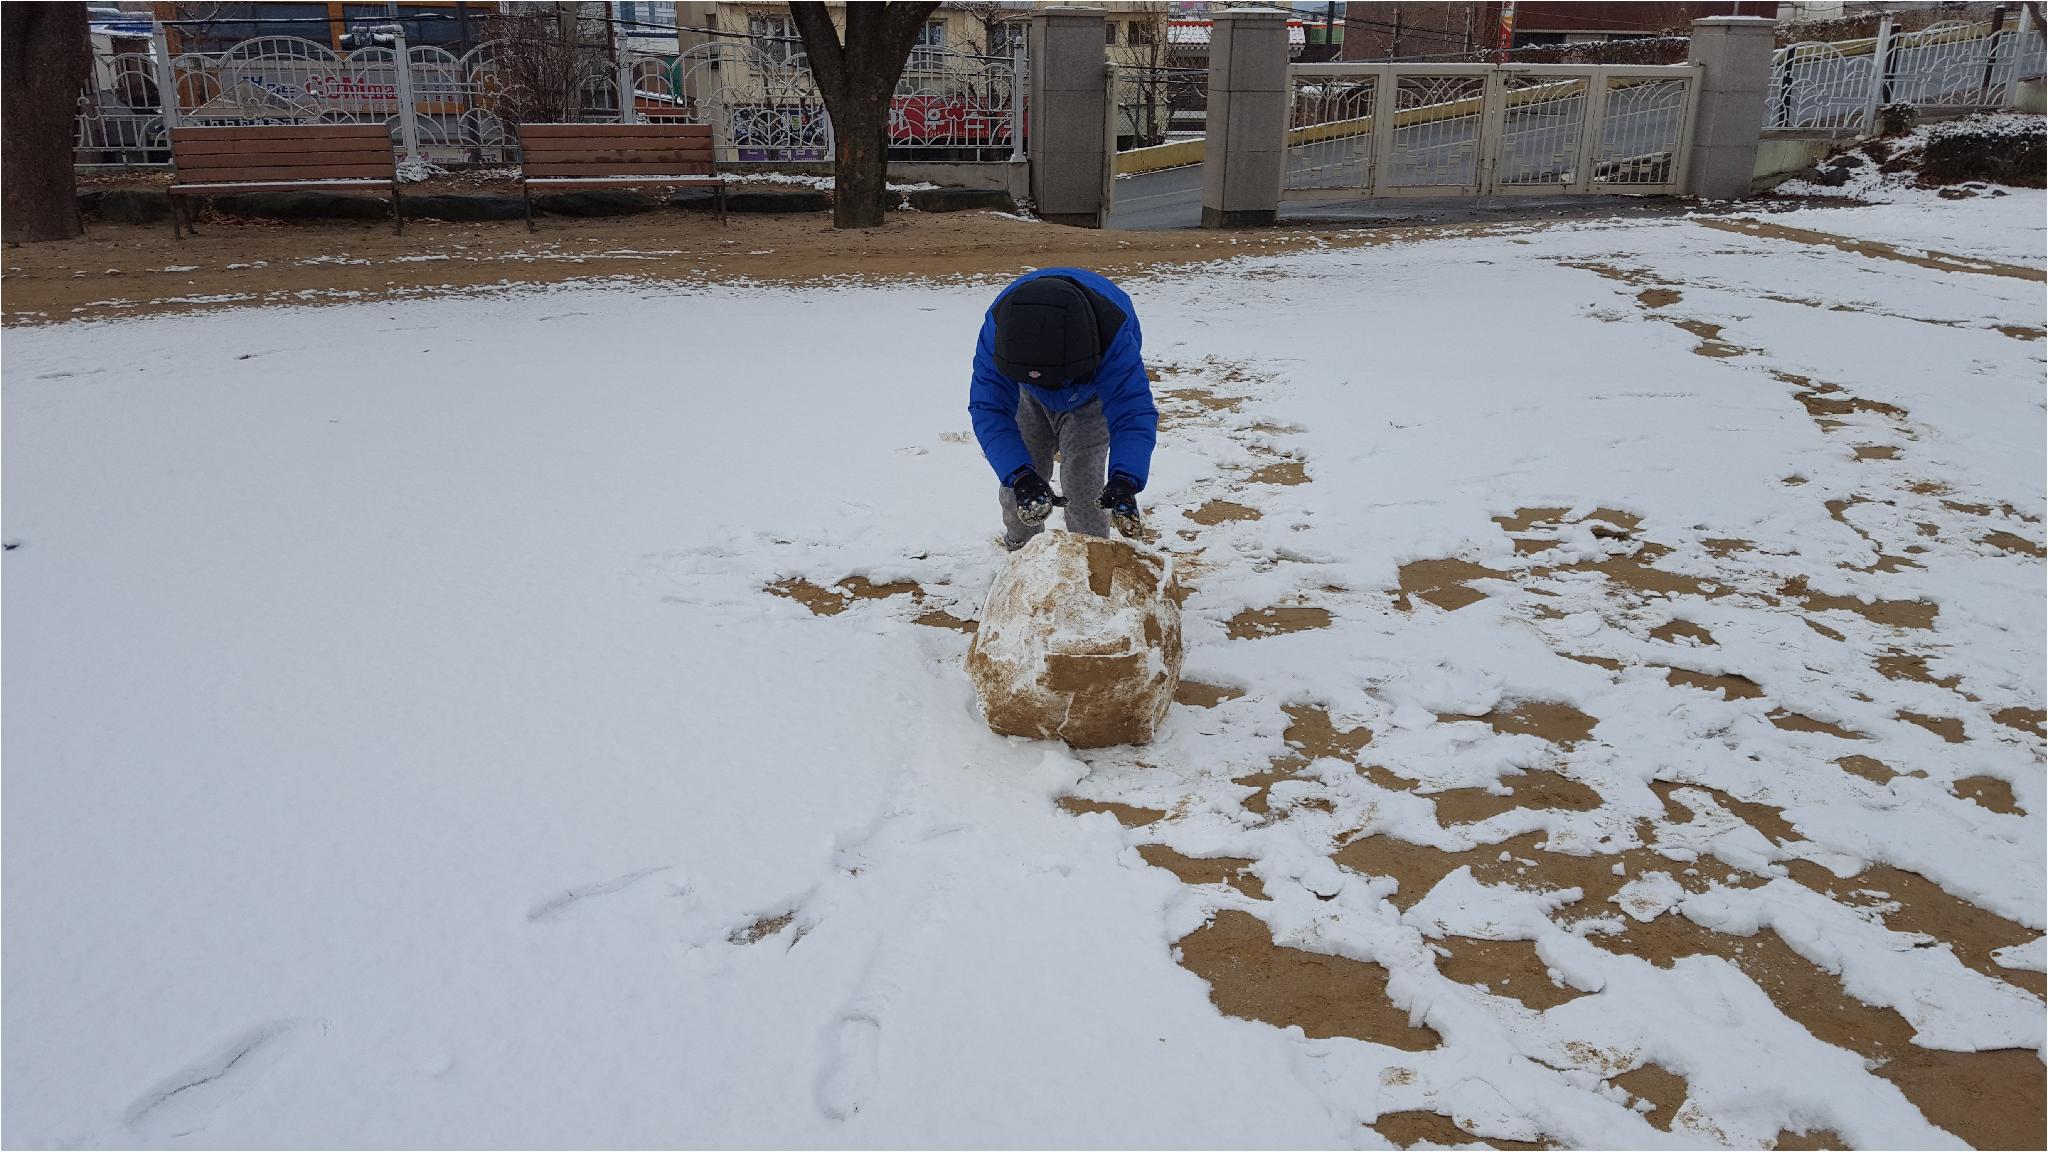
[1406, 130]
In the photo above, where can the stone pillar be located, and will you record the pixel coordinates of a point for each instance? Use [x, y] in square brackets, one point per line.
[1068, 140]
[1734, 54]
[1247, 120]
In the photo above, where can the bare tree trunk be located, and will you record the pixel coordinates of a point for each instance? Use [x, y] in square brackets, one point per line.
[45, 61]
[858, 80]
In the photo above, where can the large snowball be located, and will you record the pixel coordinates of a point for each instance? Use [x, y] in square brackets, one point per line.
[1079, 641]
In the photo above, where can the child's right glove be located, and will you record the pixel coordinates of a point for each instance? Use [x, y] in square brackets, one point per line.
[1120, 497]
[1035, 499]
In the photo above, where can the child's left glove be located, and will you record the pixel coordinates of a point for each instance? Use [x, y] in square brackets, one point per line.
[1120, 497]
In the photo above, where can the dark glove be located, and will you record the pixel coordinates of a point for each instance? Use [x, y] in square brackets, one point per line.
[1035, 499]
[1120, 496]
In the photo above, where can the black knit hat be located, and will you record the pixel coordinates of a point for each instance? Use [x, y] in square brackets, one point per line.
[1047, 333]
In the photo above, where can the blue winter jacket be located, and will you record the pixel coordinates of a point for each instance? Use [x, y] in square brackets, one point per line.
[1120, 382]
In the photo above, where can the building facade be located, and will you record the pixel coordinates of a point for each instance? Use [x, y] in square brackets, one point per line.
[1394, 31]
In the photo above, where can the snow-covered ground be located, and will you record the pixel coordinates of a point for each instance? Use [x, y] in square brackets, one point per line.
[404, 745]
[1984, 221]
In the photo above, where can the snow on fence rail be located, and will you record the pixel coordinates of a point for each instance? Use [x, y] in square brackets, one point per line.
[760, 98]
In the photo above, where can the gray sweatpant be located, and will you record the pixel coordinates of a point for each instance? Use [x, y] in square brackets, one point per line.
[1081, 438]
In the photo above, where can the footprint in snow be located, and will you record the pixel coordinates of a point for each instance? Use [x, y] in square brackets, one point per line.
[851, 1067]
[186, 1101]
[558, 905]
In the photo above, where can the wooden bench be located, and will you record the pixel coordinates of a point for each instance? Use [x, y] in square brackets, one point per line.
[562, 156]
[275, 158]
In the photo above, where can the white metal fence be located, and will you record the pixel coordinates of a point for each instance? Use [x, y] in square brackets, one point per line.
[1948, 66]
[759, 97]
[1479, 129]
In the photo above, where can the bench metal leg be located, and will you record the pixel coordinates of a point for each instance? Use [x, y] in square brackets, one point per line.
[397, 206]
[527, 189]
[721, 205]
[177, 226]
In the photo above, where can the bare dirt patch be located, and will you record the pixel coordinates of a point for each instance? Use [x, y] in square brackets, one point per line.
[1665, 1090]
[2016, 544]
[1526, 519]
[1130, 816]
[1941, 261]
[838, 598]
[1196, 694]
[940, 618]
[1536, 789]
[1255, 622]
[1557, 722]
[1868, 767]
[1909, 902]
[1222, 512]
[1443, 583]
[1253, 978]
[1673, 631]
[1897, 665]
[1407, 1129]
[1949, 728]
[1915, 614]
[269, 262]
[1731, 686]
[1638, 572]
[1312, 733]
[1287, 472]
[1800, 722]
[1991, 792]
[1658, 297]
[1231, 870]
[1510, 968]
[1711, 345]
[1991, 1099]
[2034, 720]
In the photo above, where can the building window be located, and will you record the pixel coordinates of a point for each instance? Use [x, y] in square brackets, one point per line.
[1109, 31]
[1002, 35]
[775, 37]
[928, 51]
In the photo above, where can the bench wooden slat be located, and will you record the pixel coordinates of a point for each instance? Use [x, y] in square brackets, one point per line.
[619, 182]
[691, 159]
[587, 131]
[564, 147]
[232, 145]
[290, 172]
[281, 132]
[209, 161]
[534, 168]
[208, 189]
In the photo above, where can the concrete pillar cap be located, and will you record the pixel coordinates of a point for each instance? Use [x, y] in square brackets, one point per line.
[1735, 22]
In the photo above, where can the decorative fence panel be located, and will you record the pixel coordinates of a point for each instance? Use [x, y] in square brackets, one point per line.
[1478, 129]
[1952, 65]
[758, 95]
